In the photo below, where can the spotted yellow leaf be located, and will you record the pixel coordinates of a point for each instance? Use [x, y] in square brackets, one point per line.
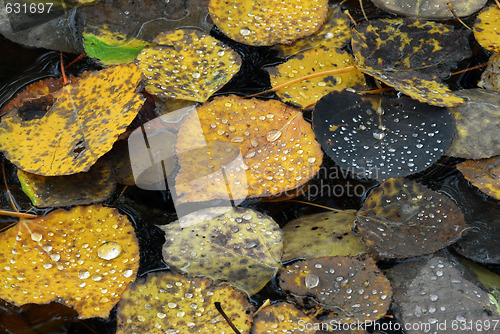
[490, 79]
[487, 28]
[483, 174]
[282, 317]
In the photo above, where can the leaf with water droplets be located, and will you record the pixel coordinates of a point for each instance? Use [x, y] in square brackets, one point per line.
[322, 234]
[483, 174]
[278, 149]
[430, 9]
[187, 64]
[282, 317]
[66, 132]
[267, 22]
[84, 258]
[402, 218]
[349, 289]
[309, 62]
[487, 28]
[166, 302]
[411, 56]
[236, 245]
[380, 137]
[490, 79]
[476, 122]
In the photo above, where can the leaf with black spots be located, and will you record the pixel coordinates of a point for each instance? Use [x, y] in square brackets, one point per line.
[282, 317]
[487, 28]
[430, 9]
[490, 79]
[483, 174]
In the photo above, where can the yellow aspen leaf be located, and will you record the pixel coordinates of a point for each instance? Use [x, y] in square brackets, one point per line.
[80, 126]
[490, 79]
[335, 33]
[483, 174]
[430, 9]
[322, 234]
[268, 22]
[282, 317]
[411, 56]
[277, 145]
[187, 64]
[240, 246]
[309, 62]
[166, 302]
[84, 258]
[487, 28]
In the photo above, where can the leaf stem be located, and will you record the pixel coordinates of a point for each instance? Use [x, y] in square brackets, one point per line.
[229, 322]
[17, 214]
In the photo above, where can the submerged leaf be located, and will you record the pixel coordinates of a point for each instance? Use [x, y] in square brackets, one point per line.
[487, 28]
[282, 317]
[430, 9]
[403, 218]
[239, 246]
[171, 303]
[490, 79]
[268, 22]
[483, 174]
[67, 256]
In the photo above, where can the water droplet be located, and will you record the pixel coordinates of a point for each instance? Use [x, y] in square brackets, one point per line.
[245, 32]
[83, 274]
[36, 236]
[433, 297]
[273, 135]
[312, 281]
[377, 134]
[109, 250]
[196, 75]
[55, 257]
[161, 315]
[127, 273]
[311, 160]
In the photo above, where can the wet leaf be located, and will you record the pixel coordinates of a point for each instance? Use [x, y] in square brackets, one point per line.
[239, 246]
[411, 56]
[309, 62]
[490, 79]
[281, 317]
[54, 191]
[402, 218]
[433, 291]
[487, 28]
[187, 64]
[430, 9]
[488, 279]
[67, 256]
[335, 33]
[111, 48]
[322, 234]
[381, 137]
[81, 124]
[268, 22]
[483, 174]
[351, 289]
[277, 145]
[166, 302]
[476, 123]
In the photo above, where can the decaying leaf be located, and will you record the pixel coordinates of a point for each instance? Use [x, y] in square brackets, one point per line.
[476, 123]
[335, 33]
[84, 258]
[80, 126]
[282, 317]
[93, 186]
[239, 246]
[489, 279]
[309, 62]
[490, 79]
[483, 174]
[487, 28]
[322, 234]
[430, 9]
[351, 289]
[402, 218]
[411, 56]
[166, 302]
[268, 22]
[277, 145]
[187, 64]
[381, 137]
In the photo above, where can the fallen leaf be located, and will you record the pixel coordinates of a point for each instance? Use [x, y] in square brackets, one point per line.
[411, 56]
[166, 302]
[487, 28]
[380, 137]
[489, 279]
[483, 174]
[70, 256]
[490, 79]
[430, 9]
[402, 218]
[235, 245]
[268, 22]
[282, 317]
[187, 64]
[78, 128]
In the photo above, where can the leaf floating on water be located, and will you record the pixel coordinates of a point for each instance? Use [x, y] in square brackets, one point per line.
[490, 79]
[322, 234]
[476, 122]
[402, 218]
[483, 174]
[430, 9]
[351, 289]
[309, 62]
[381, 137]
[411, 56]
[239, 246]
[487, 28]
[81, 125]
[267, 22]
[282, 317]
[187, 64]
[172, 303]
[67, 256]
